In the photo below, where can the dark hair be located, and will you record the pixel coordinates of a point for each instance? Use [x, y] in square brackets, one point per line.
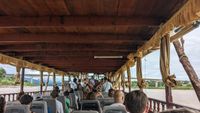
[136, 101]
[26, 99]
[105, 78]
[66, 93]
[75, 80]
[20, 95]
[2, 104]
[111, 92]
[56, 88]
[54, 94]
[91, 96]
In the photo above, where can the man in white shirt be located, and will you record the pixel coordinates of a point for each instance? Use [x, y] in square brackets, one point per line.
[106, 86]
[59, 106]
[119, 100]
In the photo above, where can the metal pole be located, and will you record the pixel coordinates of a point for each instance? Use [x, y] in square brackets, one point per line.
[54, 79]
[41, 82]
[63, 80]
[22, 80]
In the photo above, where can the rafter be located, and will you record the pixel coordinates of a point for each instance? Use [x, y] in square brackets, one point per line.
[79, 21]
[67, 47]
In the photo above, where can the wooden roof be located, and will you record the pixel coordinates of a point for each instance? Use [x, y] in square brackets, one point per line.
[67, 34]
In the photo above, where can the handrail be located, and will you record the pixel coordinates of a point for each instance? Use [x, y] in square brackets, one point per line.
[13, 96]
[159, 105]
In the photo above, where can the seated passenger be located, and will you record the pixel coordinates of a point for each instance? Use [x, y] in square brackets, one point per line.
[2, 104]
[67, 102]
[19, 96]
[26, 100]
[91, 96]
[180, 110]
[107, 85]
[119, 100]
[59, 106]
[111, 93]
[136, 102]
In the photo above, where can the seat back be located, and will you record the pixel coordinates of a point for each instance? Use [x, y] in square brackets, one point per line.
[51, 105]
[111, 109]
[106, 101]
[62, 100]
[85, 111]
[39, 107]
[46, 97]
[105, 94]
[17, 109]
[91, 105]
[73, 101]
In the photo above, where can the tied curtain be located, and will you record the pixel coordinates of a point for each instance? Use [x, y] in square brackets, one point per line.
[168, 79]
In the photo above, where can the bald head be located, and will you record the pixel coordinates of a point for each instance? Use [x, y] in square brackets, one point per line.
[119, 96]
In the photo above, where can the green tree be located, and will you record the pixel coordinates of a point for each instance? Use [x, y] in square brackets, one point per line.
[2, 72]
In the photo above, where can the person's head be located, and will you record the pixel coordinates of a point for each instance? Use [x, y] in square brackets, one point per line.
[66, 93]
[91, 96]
[2, 104]
[26, 99]
[119, 96]
[79, 81]
[75, 80]
[56, 88]
[136, 102]
[105, 79]
[179, 110]
[20, 95]
[54, 94]
[111, 92]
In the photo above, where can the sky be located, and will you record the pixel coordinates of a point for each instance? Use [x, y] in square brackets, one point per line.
[150, 63]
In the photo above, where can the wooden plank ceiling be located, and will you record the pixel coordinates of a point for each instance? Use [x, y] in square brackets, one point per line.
[67, 34]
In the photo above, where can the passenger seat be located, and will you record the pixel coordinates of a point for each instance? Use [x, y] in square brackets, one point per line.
[51, 104]
[110, 109]
[84, 111]
[16, 108]
[39, 107]
[62, 100]
[91, 105]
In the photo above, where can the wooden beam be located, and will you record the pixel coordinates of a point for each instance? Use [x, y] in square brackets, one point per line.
[168, 96]
[71, 21]
[188, 67]
[71, 38]
[66, 54]
[67, 47]
[80, 62]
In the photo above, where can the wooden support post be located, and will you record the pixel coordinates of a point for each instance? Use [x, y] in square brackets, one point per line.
[47, 83]
[54, 79]
[168, 95]
[129, 78]
[119, 82]
[188, 67]
[123, 80]
[41, 82]
[22, 80]
[63, 82]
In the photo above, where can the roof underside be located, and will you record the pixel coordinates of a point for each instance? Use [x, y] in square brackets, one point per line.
[67, 34]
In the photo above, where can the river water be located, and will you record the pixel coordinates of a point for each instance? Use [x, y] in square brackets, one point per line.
[182, 97]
